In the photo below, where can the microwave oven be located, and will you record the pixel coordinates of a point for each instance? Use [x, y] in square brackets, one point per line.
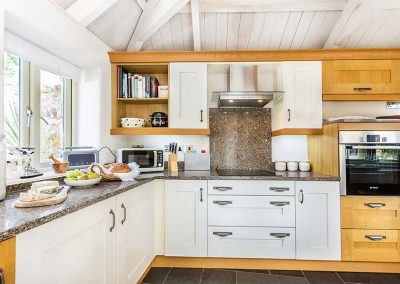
[148, 159]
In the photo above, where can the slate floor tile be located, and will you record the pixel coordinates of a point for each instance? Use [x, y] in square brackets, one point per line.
[218, 276]
[293, 273]
[184, 276]
[156, 275]
[278, 279]
[318, 277]
[251, 278]
[370, 278]
[264, 271]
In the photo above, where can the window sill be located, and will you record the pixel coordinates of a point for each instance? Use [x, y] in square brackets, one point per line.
[47, 174]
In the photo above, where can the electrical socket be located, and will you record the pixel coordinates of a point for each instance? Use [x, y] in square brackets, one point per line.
[166, 148]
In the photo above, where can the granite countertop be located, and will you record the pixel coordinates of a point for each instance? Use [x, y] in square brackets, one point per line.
[372, 120]
[17, 220]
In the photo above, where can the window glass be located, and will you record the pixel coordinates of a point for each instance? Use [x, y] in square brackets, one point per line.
[51, 114]
[11, 98]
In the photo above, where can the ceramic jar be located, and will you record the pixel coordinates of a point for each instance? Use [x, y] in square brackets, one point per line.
[280, 166]
[292, 166]
[304, 166]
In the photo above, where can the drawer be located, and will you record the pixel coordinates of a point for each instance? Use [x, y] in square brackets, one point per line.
[250, 187]
[370, 212]
[276, 211]
[370, 245]
[251, 242]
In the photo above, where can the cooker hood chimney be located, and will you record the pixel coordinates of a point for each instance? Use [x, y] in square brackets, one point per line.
[243, 92]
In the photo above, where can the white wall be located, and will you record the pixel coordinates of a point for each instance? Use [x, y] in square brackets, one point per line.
[1, 69]
[289, 148]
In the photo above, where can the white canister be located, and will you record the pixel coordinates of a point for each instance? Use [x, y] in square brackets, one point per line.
[3, 158]
[292, 166]
[304, 166]
[280, 166]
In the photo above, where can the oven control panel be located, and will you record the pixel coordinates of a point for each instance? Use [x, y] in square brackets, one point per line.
[369, 137]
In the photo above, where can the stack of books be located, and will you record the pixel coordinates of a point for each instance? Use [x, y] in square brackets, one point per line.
[134, 86]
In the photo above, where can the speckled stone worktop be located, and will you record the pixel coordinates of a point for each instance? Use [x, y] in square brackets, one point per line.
[17, 220]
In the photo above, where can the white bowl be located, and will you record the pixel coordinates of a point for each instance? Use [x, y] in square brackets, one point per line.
[82, 183]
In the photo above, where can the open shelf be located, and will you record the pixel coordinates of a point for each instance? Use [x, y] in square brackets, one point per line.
[158, 131]
[144, 101]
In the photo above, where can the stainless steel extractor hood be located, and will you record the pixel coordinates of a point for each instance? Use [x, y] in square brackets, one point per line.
[243, 91]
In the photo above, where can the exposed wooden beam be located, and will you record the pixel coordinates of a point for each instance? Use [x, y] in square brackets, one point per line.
[155, 14]
[194, 5]
[141, 3]
[86, 11]
[355, 15]
[254, 6]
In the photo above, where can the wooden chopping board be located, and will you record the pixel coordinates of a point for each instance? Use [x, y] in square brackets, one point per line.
[59, 198]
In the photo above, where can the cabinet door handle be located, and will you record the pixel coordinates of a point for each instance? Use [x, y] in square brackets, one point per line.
[123, 207]
[279, 203]
[374, 205]
[222, 188]
[301, 196]
[222, 234]
[201, 194]
[201, 115]
[279, 189]
[113, 224]
[375, 238]
[362, 89]
[279, 235]
[288, 114]
[222, 202]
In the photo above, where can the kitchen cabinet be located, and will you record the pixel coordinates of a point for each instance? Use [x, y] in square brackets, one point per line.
[77, 248]
[318, 220]
[186, 218]
[360, 79]
[135, 233]
[300, 105]
[7, 260]
[188, 95]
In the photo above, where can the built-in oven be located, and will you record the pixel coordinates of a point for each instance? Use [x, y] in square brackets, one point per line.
[148, 159]
[369, 162]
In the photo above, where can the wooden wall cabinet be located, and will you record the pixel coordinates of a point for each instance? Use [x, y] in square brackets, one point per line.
[7, 260]
[361, 79]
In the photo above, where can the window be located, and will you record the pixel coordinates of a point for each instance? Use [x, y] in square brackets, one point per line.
[37, 108]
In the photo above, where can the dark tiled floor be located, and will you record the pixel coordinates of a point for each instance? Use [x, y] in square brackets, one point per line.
[260, 276]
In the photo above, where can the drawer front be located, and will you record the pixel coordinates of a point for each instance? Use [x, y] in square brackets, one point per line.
[370, 245]
[277, 211]
[250, 187]
[251, 242]
[370, 212]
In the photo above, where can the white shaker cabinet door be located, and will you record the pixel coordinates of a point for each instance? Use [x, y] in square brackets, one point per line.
[186, 218]
[135, 233]
[188, 95]
[78, 248]
[318, 220]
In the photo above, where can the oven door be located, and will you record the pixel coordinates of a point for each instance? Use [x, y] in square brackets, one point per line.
[144, 158]
[372, 169]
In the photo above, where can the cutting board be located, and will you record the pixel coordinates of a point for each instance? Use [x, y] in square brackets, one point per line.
[59, 198]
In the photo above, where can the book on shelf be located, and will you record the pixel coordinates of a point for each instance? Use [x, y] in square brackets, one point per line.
[136, 86]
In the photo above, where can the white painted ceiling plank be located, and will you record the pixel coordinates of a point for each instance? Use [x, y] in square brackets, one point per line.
[177, 34]
[313, 31]
[256, 31]
[386, 33]
[155, 14]
[156, 41]
[233, 31]
[355, 38]
[147, 46]
[279, 29]
[86, 11]
[268, 29]
[210, 30]
[141, 3]
[246, 20]
[326, 29]
[187, 31]
[373, 28]
[221, 31]
[166, 36]
[302, 29]
[290, 30]
[202, 30]
[194, 6]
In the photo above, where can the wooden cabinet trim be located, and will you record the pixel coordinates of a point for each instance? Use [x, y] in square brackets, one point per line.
[7, 259]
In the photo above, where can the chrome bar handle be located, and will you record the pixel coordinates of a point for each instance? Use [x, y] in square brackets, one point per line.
[279, 235]
[279, 203]
[222, 234]
[113, 224]
[222, 188]
[375, 238]
[222, 202]
[374, 205]
[301, 196]
[201, 194]
[123, 207]
[201, 115]
[362, 89]
[288, 114]
[279, 189]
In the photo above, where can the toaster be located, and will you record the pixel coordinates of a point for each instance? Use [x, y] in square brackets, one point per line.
[80, 157]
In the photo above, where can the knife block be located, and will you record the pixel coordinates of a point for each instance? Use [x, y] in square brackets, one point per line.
[172, 163]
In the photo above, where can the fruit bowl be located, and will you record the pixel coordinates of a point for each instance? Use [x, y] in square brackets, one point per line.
[82, 183]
